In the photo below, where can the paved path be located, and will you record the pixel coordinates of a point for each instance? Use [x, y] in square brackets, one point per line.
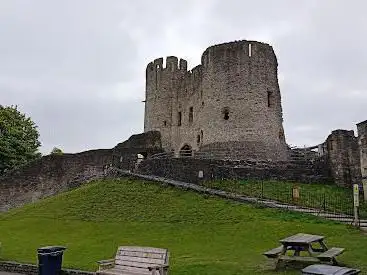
[7, 273]
[241, 198]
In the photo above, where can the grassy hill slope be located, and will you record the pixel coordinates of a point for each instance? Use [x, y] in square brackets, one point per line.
[205, 235]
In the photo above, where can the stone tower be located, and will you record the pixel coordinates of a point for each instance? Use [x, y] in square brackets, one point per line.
[230, 103]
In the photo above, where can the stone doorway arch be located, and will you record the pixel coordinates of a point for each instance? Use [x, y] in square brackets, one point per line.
[186, 151]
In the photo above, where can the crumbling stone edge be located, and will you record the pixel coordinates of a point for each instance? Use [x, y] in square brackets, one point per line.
[31, 269]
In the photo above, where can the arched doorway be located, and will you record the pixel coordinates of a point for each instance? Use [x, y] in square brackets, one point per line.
[186, 151]
[139, 158]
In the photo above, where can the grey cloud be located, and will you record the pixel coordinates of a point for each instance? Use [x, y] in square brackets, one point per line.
[78, 67]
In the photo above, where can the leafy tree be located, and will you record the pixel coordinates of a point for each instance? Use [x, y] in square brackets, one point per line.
[18, 139]
[56, 151]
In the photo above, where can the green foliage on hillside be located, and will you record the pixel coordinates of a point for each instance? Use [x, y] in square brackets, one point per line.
[18, 139]
[56, 151]
[205, 235]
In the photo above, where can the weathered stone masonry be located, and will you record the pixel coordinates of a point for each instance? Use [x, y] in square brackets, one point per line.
[362, 143]
[53, 174]
[231, 101]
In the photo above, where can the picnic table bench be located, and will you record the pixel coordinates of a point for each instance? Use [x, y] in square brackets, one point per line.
[133, 260]
[330, 254]
[304, 243]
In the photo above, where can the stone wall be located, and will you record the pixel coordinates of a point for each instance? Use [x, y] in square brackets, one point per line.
[146, 144]
[187, 169]
[362, 142]
[232, 97]
[53, 174]
[343, 158]
[50, 175]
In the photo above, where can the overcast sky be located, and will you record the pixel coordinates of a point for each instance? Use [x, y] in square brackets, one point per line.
[77, 68]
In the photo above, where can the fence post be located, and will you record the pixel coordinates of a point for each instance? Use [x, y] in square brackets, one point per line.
[295, 193]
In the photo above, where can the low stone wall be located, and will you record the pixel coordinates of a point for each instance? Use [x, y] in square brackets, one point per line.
[53, 174]
[50, 175]
[187, 169]
[31, 269]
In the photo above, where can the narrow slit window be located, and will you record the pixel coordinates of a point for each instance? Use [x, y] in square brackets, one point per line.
[198, 139]
[165, 123]
[226, 113]
[191, 114]
[270, 99]
[179, 119]
[249, 50]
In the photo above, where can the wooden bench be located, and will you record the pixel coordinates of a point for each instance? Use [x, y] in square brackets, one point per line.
[274, 253]
[329, 256]
[295, 261]
[298, 259]
[135, 260]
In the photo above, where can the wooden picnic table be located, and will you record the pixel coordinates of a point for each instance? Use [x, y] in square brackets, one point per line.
[304, 242]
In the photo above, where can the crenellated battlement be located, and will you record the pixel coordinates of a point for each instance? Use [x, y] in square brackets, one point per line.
[191, 80]
[242, 49]
[172, 64]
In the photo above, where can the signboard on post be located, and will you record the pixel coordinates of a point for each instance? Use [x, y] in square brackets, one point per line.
[356, 195]
[295, 193]
[201, 174]
[356, 204]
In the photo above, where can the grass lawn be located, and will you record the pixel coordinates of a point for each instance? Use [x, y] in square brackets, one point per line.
[323, 196]
[204, 235]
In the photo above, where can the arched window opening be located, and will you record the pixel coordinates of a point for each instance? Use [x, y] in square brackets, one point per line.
[186, 151]
[191, 114]
[225, 113]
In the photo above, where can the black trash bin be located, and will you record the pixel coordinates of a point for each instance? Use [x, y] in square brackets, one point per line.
[50, 260]
[320, 269]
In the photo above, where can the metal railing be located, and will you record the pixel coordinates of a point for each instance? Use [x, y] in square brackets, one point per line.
[339, 204]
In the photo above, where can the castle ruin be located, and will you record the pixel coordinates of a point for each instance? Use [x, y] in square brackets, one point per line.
[230, 102]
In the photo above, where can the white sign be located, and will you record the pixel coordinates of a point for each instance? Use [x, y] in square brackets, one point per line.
[356, 195]
[201, 174]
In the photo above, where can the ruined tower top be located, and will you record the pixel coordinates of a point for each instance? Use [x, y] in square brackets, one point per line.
[231, 101]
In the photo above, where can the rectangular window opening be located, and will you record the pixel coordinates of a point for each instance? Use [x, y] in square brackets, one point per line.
[249, 50]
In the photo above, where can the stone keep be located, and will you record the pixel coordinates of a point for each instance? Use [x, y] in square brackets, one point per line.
[229, 103]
